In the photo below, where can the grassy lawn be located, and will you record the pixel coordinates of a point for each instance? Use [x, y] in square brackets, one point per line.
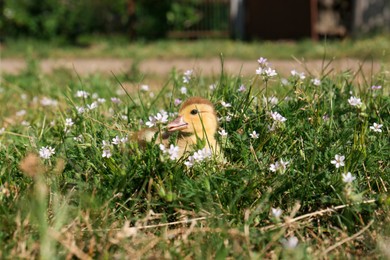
[376, 47]
[305, 171]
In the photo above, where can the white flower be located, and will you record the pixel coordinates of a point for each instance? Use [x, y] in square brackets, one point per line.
[294, 73]
[223, 133]
[348, 177]
[80, 110]
[270, 72]
[262, 62]
[45, 101]
[21, 112]
[79, 138]
[315, 82]
[25, 123]
[106, 153]
[203, 154]
[338, 161]
[183, 90]
[242, 88]
[187, 76]
[92, 106]
[95, 96]
[190, 161]
[144, 88]
[116, 140]
[376, 128]
[151, 122]
[162, 147]
[212, 87]
[228, 118]
[259, 71]
[124, 117]
[271, 100]
[69, 122]
[254, 135]
[101, 100]
[279, 166]
[226, 105]
[161, 117]
[290, 243]
[46, 152]
[173, 152]
[105, 144]
[276, 212]
[284, 82]
[376, 87]
[82, 94]
[177, 102]
[115, 100]
[124, 139]
[354, 101]
[2, 130]
[277, 117]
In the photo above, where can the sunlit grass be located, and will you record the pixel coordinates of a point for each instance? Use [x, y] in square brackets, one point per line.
[277, 192]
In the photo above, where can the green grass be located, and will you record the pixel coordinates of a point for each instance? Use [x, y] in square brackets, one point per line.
[140, 203]
[376, 47]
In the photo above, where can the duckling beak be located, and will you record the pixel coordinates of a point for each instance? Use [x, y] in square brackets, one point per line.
[177, 124]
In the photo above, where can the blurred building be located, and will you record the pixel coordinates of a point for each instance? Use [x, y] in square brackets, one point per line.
[278, 19]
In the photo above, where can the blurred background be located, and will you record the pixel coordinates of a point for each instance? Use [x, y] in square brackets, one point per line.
[68, 20]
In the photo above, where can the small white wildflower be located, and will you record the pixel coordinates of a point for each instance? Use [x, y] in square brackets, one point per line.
[162, 147]
[21, 112]
[116, 140]
[279, 166]
[254, 135]
[301, 75]
[46, 152]
[276, 212]
[105, 144]
[348, 177]
[161, 117]
[202, 154]
[106, 153]
[338, 161]
[82, 94]
[270, 72]
[115, 100]
[173, 152]
[101, 100]
[151, 122]
[290, 243]
[223, 133]
[190, 161]
[2, 130]
[225, 105]
[376, 128]
[284, 82]
[177, 102]
[144, 88]
[228, 118]
[25, 123]
[92, 106]
[45, 101]
[354, 101]
[187, 76]
[277, 117]
[124, 139]
[80, 110]
[79, 138]
[69, 122]
[315, 82]
[183, 90]
[259, 71]
[376, 87]
[212, 87]
[262, 62]
[242, 88]
[124, 117]
[95, 96]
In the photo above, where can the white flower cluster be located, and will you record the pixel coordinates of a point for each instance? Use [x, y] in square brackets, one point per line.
[160, 118]
[46, 152]
[280, 166]
[198, 156]
[173, 151]
[265, 71]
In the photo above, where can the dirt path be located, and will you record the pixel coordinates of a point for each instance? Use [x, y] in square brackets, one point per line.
[204, 66]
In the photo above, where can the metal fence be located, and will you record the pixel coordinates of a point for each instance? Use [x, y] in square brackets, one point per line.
[199, 19]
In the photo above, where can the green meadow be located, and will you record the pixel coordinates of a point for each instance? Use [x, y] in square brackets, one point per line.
[305, 173]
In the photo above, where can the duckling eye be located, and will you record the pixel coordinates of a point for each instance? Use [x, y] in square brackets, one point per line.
[194, 111]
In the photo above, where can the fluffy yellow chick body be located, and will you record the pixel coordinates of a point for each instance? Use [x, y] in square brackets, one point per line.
[196, 122]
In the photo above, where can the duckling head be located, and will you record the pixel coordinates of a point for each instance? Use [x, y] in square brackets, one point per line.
[196, 117]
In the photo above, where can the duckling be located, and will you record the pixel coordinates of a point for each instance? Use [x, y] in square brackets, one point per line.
[196, 122]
